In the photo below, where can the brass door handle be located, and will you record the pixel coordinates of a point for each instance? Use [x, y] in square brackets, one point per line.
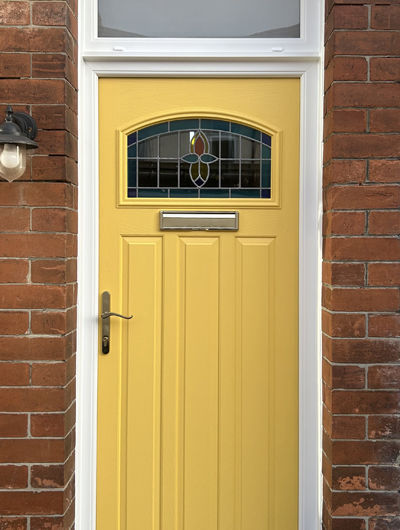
[105, 321]
[108, 315]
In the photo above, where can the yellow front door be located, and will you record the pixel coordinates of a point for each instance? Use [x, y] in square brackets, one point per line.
[198, 395]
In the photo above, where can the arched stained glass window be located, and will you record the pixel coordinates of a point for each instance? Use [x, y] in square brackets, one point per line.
[203, 158]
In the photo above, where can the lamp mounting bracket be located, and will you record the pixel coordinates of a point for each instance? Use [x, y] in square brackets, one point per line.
[26, 123]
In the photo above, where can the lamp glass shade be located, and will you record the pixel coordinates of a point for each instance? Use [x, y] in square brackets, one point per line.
[12, 161]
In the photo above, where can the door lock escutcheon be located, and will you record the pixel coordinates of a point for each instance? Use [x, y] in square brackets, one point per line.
[105, 321]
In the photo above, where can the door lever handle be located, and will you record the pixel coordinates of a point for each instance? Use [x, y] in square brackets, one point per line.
[105, 321]
[107, 314]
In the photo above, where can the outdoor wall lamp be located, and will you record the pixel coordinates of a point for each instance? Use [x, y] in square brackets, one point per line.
[16, 136]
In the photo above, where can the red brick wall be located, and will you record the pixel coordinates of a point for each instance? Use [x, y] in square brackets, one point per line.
[361, 270]
[38, 270]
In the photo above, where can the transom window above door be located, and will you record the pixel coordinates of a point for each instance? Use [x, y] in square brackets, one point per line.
[199, 158]
[209, 18]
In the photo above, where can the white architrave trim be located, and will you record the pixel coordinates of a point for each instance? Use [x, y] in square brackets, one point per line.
[309, 263]
[308, 45]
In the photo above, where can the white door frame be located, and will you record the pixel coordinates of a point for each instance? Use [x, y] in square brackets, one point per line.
[309, 72]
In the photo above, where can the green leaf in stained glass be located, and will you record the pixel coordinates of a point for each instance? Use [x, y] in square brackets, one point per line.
[190, 158]
[207, 158]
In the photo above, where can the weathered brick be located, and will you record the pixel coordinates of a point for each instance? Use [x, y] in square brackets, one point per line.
[384, 427]
[13, 477]
[384, 223]
[348, 427]
[54, 220]
[29, 502]
[345, 223]
[345, 121]
[13, 523]
[49, 271]
[365, 504]
[365, 43]
[45, 477]
[364, 452]
[48, 425]
[48, 65]
[343, 324]
[29, 347]
[348, 377]
[364, 145]
[32, 90]
[55, 168]
[49, 117]
[374, 142]
[51, 322]
[56, 142]
[384, 478]
[18, 450]
[384, 523]
[49, 374]
[362, 248]
[385, 17]
[13, 270]
[384, 326]
[384, 170]
[14, 13]
[35, 296]
[365, 95]
[347, 17]
[385, 120]
[363, 197]
[36, 194]
[53, 523]
[38, 75]
[369, 299]
[13, 426]
[346, 69]
[14, 374]
[361, 350]
[348, 478]
[14, 219]
[384, 274]
[385, 68]
[49, 13]
[14, 323]
[345, 274]
[365, 402]
[384, 376]
[15, 64]
[345, 172]
[348, 524]
[32, 40]
[32, 399]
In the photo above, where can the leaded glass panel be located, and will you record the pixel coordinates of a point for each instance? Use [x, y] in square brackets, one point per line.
[201, 158]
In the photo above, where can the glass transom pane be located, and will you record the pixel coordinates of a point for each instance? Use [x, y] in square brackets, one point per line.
[201, 158]
[176, 18]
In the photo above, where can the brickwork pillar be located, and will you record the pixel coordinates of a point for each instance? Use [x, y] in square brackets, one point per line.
[38, 226]
[361, 270]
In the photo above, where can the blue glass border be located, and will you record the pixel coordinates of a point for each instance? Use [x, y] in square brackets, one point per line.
[261, 190]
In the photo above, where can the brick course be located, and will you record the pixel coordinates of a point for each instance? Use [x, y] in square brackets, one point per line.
[38, 225]
[361, 270]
